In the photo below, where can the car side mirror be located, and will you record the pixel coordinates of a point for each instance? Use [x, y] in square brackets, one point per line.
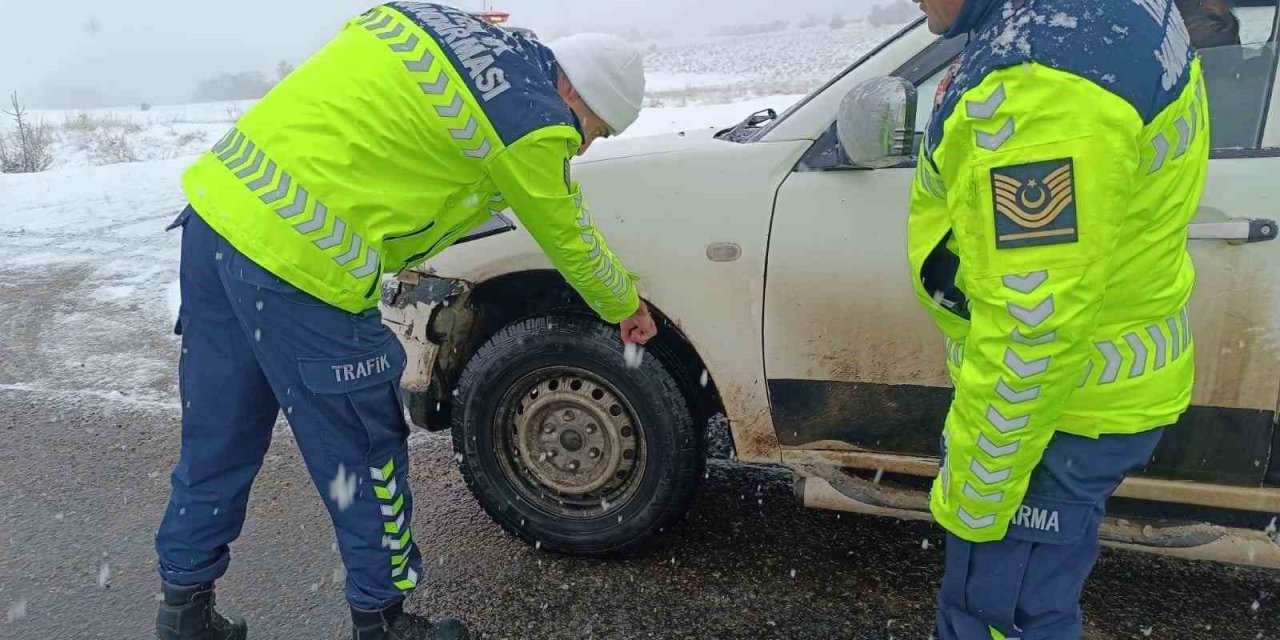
[876, 125]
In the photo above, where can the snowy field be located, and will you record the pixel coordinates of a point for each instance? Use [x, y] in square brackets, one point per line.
[794, 61]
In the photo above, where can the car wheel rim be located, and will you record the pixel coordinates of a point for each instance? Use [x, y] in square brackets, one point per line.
[570, 443]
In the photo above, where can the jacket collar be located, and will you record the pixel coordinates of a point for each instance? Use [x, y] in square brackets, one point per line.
[973, 16]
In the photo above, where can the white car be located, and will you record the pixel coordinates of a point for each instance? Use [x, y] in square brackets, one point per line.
[778, 269]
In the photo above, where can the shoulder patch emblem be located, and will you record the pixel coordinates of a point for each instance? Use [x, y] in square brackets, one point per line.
[1034, 204]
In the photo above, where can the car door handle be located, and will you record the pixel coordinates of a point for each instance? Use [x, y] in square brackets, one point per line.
[1235, 231]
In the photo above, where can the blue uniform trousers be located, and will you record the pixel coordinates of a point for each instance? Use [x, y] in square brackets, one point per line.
[1028, 585]
[253, 345]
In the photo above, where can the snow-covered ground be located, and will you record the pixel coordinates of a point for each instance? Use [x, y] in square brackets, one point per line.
[784, 62]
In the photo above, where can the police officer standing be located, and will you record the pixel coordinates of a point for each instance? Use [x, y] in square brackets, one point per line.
[1048, 234]
[407, 130]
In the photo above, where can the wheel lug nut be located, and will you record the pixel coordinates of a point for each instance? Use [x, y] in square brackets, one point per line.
[573, 465]
[591, 428]
[594, 453]
[548, 429]
[551, 453]
[569, 415]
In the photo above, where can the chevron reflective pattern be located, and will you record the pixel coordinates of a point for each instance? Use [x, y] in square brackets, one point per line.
[395, 527]
[605, 269]
[955, 352]
[290, 200]
[1138, 353]
[1173, 143]
[931, 182]
[987, 110]
[445, 98]
[1000, 439]
[498, 204]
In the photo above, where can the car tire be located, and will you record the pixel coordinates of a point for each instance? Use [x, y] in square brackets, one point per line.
[566, 446]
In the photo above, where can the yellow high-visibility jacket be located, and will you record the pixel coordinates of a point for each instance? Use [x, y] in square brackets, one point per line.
[407, 130]
[1048, 237]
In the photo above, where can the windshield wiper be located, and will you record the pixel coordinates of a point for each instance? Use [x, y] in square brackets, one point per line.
[752, 121]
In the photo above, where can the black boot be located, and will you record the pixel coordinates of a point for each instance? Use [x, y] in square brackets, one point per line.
[188, 614]
[393, 623]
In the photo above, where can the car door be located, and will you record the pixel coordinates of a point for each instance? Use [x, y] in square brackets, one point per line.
[854, 365]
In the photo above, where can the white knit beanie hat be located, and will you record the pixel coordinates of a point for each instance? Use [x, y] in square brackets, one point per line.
[607, 71]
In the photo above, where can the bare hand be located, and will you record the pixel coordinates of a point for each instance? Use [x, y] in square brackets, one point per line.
[639, 328]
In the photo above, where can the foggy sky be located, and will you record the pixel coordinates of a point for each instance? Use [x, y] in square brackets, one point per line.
[128, 51]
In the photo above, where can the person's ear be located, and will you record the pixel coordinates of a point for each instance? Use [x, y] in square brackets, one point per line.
[566, 90]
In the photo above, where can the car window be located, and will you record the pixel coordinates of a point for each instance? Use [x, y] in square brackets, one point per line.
[1238, 54]
[927, 91]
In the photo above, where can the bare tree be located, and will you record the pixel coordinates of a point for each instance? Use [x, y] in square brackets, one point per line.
[283, 70]
[26, 150]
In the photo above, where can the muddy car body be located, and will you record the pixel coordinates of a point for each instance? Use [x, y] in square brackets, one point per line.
[778, 270]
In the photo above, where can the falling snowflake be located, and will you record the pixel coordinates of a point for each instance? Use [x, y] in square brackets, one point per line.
[1271, 528]
[259, 305]
[924, 544]
[257, 335]
[339, 575]
[632, 355]
[59, 516]
[703, 380]
[315, 586]
[1254, 606]
[17, 611]
[104, 575]
[457, 457]
[538, 545]
[342, 490]
[879, 474]
[793, 573]
[1146, 631]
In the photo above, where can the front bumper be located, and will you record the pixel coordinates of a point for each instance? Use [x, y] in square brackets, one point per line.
[424, 312]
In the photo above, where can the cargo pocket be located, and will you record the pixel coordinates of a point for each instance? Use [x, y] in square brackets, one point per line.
[984, 583]
[1052, 521]
[363, 392]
